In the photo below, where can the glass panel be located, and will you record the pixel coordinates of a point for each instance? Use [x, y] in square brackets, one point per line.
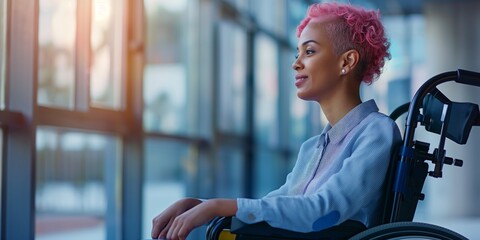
[266, 90]
[231, 171]
[166, 89]
[295, 11]
[56, 56]
[165, 175]
[270, 14]
[270, 172]
[3, 37]
[75, 183]
[106, 43]
[232, 73]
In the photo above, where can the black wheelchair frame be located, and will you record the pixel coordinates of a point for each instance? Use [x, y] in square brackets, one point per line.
[406, 174]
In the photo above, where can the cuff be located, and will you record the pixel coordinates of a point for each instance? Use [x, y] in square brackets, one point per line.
[249, 210]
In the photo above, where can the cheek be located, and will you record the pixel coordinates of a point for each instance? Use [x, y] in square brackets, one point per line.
[323, 74]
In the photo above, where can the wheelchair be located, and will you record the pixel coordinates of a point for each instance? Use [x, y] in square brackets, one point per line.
[406, 174]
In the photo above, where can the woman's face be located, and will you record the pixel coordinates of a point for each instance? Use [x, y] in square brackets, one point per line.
[317, 66]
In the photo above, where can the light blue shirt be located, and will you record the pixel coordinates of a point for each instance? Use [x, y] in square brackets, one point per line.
[339, 175]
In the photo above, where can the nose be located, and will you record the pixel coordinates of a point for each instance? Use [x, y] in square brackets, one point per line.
[297, 64]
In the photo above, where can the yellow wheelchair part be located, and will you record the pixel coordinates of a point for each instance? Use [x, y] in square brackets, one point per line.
[226, 235]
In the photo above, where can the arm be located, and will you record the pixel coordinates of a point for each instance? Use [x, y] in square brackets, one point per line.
[162, 222]
[357, 185]
[199, 215]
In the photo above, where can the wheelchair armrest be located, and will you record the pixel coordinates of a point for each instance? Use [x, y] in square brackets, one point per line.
[262, 230]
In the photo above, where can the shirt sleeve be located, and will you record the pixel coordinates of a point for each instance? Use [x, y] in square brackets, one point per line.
[355, 186]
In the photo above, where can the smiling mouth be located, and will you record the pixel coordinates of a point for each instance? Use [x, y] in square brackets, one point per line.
[300, 81]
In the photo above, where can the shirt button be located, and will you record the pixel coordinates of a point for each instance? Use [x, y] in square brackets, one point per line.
[251, 217]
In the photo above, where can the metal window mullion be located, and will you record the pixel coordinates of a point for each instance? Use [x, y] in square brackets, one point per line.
[82, 56]
[18, 209]
[111, 170]
[251, 149]
[100, 120]
[132, 157]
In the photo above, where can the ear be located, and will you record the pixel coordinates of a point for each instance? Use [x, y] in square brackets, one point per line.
[349, 61]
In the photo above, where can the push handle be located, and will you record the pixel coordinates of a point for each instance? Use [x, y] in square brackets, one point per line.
[468, 77]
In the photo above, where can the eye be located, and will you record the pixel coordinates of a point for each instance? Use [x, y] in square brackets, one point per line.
[296, 56]
[309, 51]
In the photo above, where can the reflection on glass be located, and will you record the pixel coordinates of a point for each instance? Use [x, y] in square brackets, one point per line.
[3, 24]
[106, 44]
[56, 56]
[166, 95]
[232, 73]
[166, 163]
[71, 183]
[266, 90]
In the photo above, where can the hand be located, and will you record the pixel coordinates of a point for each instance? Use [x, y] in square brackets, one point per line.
[199, 215]
[162, 223]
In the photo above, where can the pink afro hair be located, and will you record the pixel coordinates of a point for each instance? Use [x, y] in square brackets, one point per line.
[358, 29]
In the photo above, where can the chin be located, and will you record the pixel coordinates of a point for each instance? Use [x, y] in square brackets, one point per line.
[305, 96]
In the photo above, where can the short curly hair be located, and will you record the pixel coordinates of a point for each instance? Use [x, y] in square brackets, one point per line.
[354, 28]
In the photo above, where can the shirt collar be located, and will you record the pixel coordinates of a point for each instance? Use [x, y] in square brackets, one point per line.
[349, 121]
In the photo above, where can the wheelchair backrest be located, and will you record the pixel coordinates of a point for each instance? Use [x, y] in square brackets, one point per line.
[408, 168]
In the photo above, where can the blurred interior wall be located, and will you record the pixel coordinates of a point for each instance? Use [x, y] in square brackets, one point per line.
[453, 36]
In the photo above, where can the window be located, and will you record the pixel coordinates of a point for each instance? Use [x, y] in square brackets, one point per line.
[76, 184]
[168, 94]
[106, 41]
[273, 19]
[75, 53]
[166, 169]
[230, 174]
[295, 12]
[56, 56]
[266, 124]
[266, 90]
[232, 78]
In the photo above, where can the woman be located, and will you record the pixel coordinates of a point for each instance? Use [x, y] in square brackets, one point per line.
[339, 174]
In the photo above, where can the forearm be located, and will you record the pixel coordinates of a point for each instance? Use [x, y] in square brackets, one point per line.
[190, 202]
[222, 207]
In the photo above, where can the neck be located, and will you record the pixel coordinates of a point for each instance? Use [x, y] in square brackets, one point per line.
[338, 104]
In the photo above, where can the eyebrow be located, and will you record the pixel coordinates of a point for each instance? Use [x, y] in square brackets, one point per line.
[309, 41]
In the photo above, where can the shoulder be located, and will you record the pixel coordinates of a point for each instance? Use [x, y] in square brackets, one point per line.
[379, 120]
[379, 125]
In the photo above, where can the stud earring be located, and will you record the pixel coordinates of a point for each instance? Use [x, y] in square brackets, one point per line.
[344, 71]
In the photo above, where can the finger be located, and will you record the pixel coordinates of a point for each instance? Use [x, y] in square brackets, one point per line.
[177, 225]
[157, 225]
[184, 231]
[163, 233]
[171, 230]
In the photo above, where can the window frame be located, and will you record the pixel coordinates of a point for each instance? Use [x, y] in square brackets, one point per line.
[22, 115]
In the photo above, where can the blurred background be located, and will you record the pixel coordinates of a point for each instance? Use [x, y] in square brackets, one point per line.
[113, 109]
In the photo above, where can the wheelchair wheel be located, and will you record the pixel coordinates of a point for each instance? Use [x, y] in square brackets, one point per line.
[408, 230]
